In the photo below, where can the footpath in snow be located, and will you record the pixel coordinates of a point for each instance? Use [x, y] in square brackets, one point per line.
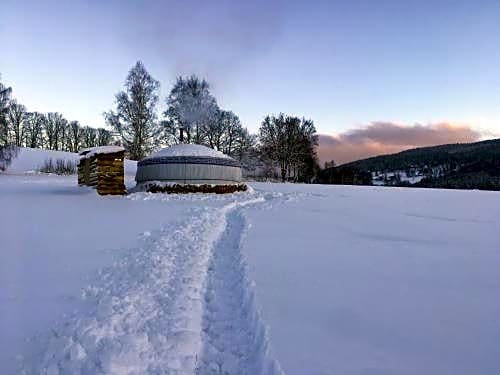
[180, 304]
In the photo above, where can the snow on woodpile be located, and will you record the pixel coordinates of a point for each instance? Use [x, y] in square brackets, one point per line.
[89, 152]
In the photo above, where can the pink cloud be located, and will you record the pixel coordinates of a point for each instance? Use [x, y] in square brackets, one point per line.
[385, 138]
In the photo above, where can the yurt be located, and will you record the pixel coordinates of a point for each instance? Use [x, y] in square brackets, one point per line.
[186, 168]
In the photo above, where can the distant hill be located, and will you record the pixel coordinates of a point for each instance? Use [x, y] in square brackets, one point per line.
[458, 166]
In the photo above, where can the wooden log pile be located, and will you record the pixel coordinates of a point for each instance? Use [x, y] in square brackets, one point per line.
[81, 172]
[110, 174]
[103, 171]
[205, 188]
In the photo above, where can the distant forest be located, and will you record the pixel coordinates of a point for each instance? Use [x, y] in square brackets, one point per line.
[453, 166]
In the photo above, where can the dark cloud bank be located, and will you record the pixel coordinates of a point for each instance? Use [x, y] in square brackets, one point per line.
[385, 138]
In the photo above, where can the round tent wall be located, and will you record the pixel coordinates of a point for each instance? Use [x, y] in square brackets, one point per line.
[189, 164]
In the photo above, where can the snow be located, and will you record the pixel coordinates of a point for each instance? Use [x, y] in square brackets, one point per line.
[30, 160]
[89, 152]
[188, 150]
[366, 280]
[55, 237]
[283, 278]
[389, 178]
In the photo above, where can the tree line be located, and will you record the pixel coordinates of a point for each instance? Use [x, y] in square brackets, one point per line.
[22, 128]
[284, 148]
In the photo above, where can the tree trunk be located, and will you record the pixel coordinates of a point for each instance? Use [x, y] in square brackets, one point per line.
[283, 173]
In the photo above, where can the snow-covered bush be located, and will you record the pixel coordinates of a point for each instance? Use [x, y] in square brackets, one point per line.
[60, 166]
[7, 153]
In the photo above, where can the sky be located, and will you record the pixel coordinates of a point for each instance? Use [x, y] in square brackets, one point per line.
[369, 68]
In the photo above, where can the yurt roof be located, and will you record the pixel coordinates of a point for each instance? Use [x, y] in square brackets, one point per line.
[188, 150]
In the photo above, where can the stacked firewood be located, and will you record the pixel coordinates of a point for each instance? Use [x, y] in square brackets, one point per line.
[104, 172]
[205, 188]
[110, 174]
[81, 172]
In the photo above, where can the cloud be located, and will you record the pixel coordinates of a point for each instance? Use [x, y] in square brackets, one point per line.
[210, 38]
[386, 137]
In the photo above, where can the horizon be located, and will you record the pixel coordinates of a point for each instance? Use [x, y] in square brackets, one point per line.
[428, 84]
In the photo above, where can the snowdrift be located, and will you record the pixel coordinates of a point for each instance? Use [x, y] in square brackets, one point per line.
[30, 160]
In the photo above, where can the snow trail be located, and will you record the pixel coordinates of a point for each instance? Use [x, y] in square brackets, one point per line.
[234, 337]
[153, 311]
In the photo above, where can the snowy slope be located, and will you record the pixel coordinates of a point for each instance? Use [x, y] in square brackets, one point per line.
[366, 280]
[299, 279]
[31, 159]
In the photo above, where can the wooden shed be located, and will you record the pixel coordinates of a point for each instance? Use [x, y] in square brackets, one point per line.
[103, 169]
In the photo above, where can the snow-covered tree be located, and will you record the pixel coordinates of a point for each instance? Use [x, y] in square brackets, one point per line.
[135, 116]
[191, 107]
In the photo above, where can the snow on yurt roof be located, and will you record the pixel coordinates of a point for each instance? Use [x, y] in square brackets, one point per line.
[188, 150]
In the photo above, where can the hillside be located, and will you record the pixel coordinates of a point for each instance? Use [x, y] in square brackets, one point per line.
[460, 166]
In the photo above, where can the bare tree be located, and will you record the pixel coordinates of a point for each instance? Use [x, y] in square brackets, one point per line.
[289, 142]
[33, 129]
[104, 137]
[5, 93]
[16, 117]
[74, 136]
[7, 150]
[53, 124]
[89, 137]
[62, 129]
[135, 116]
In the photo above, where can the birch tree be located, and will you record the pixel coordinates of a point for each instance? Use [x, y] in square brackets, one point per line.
[135, 116]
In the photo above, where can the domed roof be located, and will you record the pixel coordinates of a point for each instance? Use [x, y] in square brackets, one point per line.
[189, 164]
[188, 150]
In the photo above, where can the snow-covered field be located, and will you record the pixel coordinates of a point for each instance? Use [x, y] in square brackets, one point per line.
[295, 279]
